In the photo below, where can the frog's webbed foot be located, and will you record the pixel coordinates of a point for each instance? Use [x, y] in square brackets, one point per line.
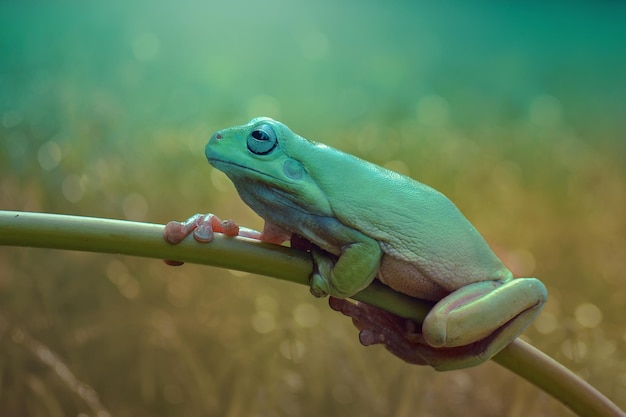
[403, 338]
[380, 327]
[203, 228]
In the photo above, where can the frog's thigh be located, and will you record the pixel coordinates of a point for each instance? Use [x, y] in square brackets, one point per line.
[473, 312]
[408, 279]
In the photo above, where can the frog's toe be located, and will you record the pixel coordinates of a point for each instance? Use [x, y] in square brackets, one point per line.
[174, 232]
[379, 327]
[203, 233]
[319, 286]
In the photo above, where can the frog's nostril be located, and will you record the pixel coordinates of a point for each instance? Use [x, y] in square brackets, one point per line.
[218, 136]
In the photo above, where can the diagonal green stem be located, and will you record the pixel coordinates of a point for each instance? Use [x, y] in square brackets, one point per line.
[146, 240]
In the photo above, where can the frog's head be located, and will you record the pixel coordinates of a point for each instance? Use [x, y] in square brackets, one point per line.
[261, 156]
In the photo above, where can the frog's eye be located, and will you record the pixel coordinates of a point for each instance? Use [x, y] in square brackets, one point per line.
[262, 140]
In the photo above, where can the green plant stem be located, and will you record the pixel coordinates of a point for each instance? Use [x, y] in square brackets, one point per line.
[146, 240]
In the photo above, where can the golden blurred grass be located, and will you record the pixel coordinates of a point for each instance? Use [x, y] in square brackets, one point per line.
[105, 111]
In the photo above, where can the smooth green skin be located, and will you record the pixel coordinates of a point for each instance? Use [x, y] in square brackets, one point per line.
[369, 222]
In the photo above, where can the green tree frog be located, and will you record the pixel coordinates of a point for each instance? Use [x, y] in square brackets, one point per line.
[364, 223]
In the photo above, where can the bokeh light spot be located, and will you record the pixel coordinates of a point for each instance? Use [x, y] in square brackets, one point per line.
[546, 323]
[119, 275]
[135, 207]
[293, 380]
[49, 155]
[433, 111]
[73, 188]
[263, 322]
[588, 315]
[306, 315]
[292, 349]
[266, 303]
[574, 349]
[11, 119]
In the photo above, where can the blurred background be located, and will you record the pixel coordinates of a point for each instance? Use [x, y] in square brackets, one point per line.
[515, 110]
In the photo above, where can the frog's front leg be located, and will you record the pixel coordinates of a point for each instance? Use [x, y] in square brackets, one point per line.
[204, 226]
[352, 270]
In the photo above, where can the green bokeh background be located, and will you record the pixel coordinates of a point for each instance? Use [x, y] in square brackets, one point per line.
[515, 110]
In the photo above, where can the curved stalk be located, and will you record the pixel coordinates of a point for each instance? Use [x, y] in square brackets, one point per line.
[90, 234]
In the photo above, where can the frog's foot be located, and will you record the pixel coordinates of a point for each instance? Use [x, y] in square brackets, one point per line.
[319, 283]
[203, 227]
[402, 338]
[271, 234]
[377, 326]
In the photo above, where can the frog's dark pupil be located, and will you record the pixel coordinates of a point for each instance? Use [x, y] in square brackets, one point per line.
[260, 135]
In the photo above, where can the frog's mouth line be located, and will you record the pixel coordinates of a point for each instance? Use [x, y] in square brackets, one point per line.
[212, 161]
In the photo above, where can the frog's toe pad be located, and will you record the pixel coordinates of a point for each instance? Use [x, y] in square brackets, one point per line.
[369, 337]
[203, 233]
[319, 286]
[174, 232]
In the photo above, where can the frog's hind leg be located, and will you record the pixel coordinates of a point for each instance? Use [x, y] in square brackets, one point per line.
[475, 311]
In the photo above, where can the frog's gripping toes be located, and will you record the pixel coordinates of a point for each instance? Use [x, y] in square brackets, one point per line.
[366, 222]
[406, 340]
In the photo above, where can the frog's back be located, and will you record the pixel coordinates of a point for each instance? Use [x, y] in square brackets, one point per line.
[413, 222]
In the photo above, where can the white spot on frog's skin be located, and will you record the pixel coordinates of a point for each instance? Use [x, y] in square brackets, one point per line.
[292, 169]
